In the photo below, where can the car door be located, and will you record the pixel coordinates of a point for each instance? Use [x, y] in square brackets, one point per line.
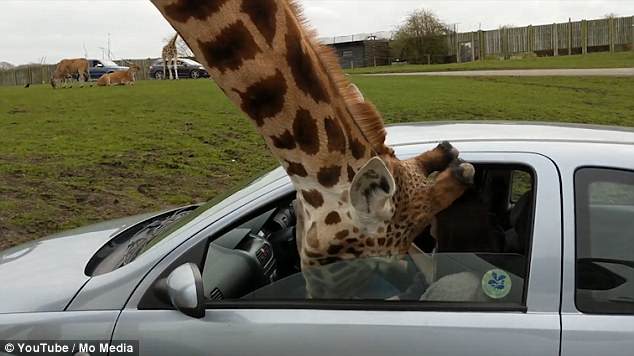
[97, 69]
[527, 325]
[183, 70]
[598, 310]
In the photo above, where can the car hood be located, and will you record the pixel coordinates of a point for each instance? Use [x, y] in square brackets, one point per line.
[45, 275]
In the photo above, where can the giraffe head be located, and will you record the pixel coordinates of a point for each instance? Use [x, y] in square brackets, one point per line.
[355, 198]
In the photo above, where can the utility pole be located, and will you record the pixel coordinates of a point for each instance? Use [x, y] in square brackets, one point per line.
[109, 53]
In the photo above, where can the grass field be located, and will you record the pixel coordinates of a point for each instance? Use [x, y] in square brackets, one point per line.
[591, 60]
[73, 156]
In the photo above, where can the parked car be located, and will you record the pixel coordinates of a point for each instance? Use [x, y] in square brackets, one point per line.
[187, 68]
[99, 67]
[223, 278]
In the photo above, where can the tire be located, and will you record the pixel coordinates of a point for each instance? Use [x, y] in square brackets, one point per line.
[194, 74]
[158, 75]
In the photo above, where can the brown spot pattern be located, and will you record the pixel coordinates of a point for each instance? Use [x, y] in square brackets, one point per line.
[284, 141]
[357, 148]
[333, 218]
[262, 13]
[296, 169]
[228, 51]
[302, 66]
[341, 235]
[306, 132]
[329, 176]
[351, 174]
[183, 10]
[265, 98]
[334, 249]
[336, 138]
[313, 197]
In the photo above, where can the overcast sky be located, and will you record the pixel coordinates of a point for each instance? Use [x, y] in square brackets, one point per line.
[32, 29]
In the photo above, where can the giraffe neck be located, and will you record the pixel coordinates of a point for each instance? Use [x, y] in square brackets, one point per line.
[259, 54]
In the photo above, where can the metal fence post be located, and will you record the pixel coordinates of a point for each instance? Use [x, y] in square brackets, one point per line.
[611, 33]
[569, 36]
[530, 48]
[584, 37]
[632, 26]
[482, 45]
[555, 40]
[473, 47]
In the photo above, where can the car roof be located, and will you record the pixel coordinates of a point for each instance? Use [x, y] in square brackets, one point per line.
[435, 131]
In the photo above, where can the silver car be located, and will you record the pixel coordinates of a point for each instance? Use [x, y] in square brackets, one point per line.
[537, 258]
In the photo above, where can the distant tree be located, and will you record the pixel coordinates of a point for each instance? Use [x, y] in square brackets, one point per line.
[420, 37]
[183, 49]
[611, 15]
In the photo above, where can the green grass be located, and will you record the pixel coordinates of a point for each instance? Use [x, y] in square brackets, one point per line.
[592, 60]
[73, 156]
[595, 100]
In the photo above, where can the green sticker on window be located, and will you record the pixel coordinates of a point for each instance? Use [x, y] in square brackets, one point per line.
[496, 284]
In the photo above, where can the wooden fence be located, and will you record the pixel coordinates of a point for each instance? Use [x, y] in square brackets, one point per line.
[580, 37]
[41, 74]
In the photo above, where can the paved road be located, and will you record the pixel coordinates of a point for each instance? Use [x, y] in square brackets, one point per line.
[606, 72]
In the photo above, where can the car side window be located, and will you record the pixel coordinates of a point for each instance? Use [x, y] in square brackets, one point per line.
[604, 213]
[484, 261]
[520, 184]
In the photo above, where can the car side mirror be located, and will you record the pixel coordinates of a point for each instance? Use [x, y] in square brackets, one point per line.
[184, 287]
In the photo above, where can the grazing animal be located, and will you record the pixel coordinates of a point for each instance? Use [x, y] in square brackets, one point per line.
[119, 78]
[67, 69]
[170, 53]
[355, 198]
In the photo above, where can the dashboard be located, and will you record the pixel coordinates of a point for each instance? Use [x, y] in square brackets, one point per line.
[251, 255]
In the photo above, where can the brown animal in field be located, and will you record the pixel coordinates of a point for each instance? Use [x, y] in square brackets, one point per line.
[119, 78]
[67, 69]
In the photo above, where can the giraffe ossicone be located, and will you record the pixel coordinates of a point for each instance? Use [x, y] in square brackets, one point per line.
[355, 198]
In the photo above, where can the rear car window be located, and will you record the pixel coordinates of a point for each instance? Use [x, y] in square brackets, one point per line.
[604, 204]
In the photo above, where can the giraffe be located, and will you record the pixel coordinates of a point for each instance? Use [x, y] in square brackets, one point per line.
[355, 198]
[170, 53]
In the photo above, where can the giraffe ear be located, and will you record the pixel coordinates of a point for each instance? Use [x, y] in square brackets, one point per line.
[371, 193]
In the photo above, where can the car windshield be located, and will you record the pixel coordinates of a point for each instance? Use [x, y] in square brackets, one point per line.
[190, 62]
[213, 203]
[108, 63]
[137, 240]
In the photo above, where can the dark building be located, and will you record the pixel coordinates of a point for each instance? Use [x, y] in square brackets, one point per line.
[365, 53]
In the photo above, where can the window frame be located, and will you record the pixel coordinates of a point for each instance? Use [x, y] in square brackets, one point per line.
[384, 305]
[578, 195]
[542, 283]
